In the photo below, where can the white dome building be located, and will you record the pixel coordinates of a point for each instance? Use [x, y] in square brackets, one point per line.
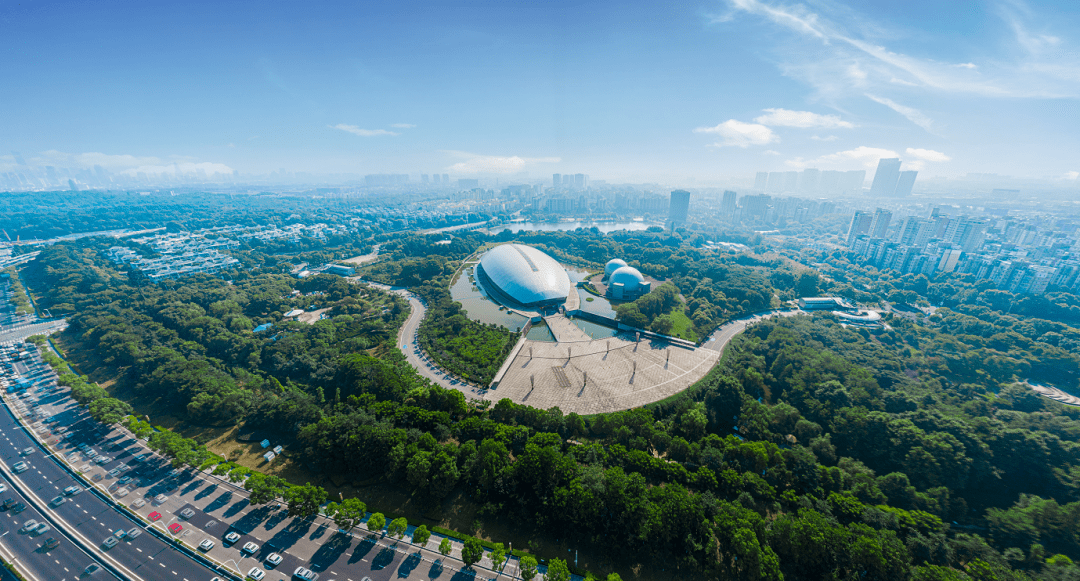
[626, 283]
[524, 275]
[613, 265]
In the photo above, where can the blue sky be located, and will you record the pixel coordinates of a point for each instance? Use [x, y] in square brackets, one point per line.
[618, 90]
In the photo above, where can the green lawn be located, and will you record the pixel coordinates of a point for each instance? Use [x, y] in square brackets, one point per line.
[683, 326]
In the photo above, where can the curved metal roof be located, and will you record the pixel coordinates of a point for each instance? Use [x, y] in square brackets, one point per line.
[526, 274]
[613, 265]
[627, 275]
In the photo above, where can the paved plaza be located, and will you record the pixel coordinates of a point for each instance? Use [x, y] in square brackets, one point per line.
[599, 376]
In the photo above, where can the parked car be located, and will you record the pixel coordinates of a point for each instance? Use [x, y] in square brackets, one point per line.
[154, 516]
[250, 547]
[175, 528]
[232, 537]
[187, 513]
[138, 503]
[305, 574]
[206, 544]
[161, 498]
[124, 480]
[256, 573]
[273, 559]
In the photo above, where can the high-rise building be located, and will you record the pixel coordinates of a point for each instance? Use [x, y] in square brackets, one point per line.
[853, 181]
[808, 180]
[435, 178]
[886, 177]
[791, 181]
[830, 181]
[423, 178]
[727, 205]
[446, 178]
[860, 225]
[776, 182]
[905, 183]
[579, 181]
[679, 207]
[761, 181]
[556, 180]
[880, 225]
[755, 206]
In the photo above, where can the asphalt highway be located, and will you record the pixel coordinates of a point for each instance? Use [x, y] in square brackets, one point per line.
[147, 556]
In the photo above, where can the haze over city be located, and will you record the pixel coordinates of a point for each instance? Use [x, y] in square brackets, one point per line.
[634, 92]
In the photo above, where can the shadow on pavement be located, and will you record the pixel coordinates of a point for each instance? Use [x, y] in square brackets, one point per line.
[319, 532]
[436, 569]
[288, 536]
[464, 575]
[191, 487]
[362, 549]
[330, 552]
[249, 521]
[206, 492]
[411, 562]
[219, 502]
[237, 507]
[383, 559]
[275, 519]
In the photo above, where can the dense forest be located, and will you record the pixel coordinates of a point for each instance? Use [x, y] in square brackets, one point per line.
[812, 451]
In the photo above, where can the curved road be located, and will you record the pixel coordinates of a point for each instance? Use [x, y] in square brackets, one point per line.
[410, 347]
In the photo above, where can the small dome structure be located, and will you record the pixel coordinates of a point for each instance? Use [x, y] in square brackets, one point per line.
[627, 275]
[613, 265]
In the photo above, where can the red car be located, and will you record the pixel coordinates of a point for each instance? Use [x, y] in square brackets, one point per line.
[175, 528]
[154, 516]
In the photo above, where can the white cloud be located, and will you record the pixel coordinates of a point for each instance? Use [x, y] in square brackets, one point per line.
[480, 164]
[845, 55]
[801, 119]
[770, 152]
[927, 154]
[862, 155]
[914, 115]
[180, 169]
[1072, 175]
[739, 134]
[826, 138]
[403, 125]
[361, 132]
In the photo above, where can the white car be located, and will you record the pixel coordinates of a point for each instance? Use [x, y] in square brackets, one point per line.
[207, 544]
[305, 574]
[3, 487]
[232, 537]
[250, 547]
[29, 525]
[256, 573]
[161, 498]
[273, 559]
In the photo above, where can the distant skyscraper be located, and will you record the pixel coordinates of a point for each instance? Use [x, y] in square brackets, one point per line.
[880, 225]
[860, 224]
[579, 181]
[776, 182]
[423, 178]
[679, 207]
[886, 177]
[791, 181]
[853, 181]
[727, 205]
[446, 178]
[808, 181]
[905, 183]
[556, 180]
[761, 181]
[830, 181]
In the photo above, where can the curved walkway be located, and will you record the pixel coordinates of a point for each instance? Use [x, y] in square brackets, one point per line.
[410, 346]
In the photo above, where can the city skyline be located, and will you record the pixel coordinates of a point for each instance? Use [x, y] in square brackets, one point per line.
[641, 92]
